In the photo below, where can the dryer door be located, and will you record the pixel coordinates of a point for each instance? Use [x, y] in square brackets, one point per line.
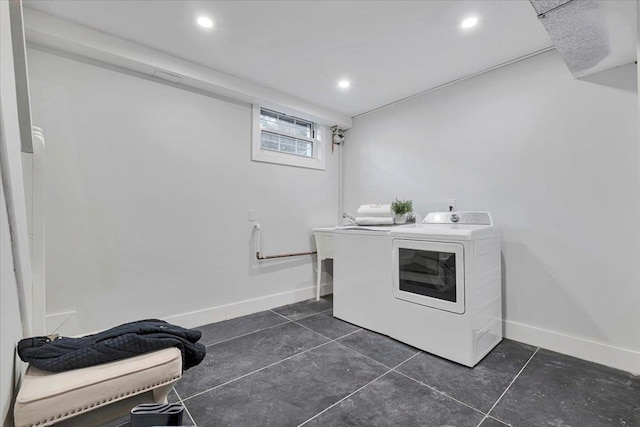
[429, 273]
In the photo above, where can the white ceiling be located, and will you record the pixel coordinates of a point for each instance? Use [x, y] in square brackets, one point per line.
[387, 49]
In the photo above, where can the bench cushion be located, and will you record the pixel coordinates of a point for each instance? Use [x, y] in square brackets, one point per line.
[45, 397]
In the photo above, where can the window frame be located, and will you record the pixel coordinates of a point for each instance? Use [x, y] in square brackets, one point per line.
[259, 154]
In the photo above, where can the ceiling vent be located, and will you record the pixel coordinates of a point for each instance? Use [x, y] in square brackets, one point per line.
[590, 35]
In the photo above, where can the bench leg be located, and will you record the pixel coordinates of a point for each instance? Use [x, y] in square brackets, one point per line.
[160, 394]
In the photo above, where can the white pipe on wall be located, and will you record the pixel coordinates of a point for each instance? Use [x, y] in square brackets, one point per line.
[37, 231]
[340, 186]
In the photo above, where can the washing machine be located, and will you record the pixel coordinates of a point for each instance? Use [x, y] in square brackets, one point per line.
[445, 290]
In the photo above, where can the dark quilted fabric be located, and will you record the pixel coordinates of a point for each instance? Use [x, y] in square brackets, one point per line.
[121, 342]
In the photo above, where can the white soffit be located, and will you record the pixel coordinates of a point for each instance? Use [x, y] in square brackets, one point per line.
[387, 49]
[54, 33]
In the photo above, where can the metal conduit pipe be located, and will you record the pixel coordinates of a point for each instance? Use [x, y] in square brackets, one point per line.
[263, 257]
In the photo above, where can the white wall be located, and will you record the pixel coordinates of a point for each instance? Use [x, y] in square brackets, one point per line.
[148, 191]
[555, 160]
[10, 331]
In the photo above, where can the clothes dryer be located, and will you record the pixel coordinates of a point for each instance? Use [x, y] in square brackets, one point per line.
[445, 295]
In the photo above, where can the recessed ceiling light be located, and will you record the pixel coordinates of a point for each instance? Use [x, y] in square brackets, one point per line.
[343, 84]
[205, 22]
[469, 22]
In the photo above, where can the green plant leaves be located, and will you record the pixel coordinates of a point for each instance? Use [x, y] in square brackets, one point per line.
[401, 207]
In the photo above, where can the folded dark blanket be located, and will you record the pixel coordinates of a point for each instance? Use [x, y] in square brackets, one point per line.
[124, 341]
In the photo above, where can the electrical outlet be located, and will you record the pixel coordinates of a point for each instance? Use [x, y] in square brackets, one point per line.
[452, 204]
[252, 216]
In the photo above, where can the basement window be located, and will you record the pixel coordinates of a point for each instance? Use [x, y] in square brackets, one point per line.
[284, 139]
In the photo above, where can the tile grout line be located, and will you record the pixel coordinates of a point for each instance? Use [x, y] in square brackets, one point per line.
[185, 406]
[257, 370]
[354, 392]
[346, 397]
[507, 389]
[394, 369]
[284, 317]
[489, 417]
[304, 317]
[422, 383]
[343, 345]
[329, 338]
[352, 350]
[364, 355]
[335, 340]
[275, 363]
[342, 336]
[244, 335]
[347, 347]
[287, 320]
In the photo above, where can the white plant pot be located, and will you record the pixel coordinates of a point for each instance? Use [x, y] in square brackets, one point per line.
[400, 219]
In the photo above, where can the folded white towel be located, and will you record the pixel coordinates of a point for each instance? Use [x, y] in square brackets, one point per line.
[375, 210]
[374, 220]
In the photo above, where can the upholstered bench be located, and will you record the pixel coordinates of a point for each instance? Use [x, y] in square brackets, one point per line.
[90, 396]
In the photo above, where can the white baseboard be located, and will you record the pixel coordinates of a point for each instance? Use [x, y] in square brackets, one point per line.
[63, 323]
[242, 308]
[615, 357]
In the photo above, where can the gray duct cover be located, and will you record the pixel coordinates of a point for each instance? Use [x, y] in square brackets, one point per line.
[591, 35]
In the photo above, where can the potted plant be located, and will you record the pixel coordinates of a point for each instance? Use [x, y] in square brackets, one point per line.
[401, 208]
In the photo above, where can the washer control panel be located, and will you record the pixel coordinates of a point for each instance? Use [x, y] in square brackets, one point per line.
[472, 218]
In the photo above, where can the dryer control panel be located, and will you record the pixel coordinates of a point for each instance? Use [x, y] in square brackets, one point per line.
[466, 217]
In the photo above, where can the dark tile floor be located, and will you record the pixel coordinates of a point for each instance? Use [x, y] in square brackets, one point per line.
[298, 365]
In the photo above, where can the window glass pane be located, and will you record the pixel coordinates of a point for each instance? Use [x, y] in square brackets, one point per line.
[303, 129]
[270, 120]
[265, 124]
[285, 144]
[287, 125]
[305, 148]
[304, 144]
[287, 140]
[268, 136]
[286, 148]
[269, 141]
[273, 127]
[268, 117]
[304, 152]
